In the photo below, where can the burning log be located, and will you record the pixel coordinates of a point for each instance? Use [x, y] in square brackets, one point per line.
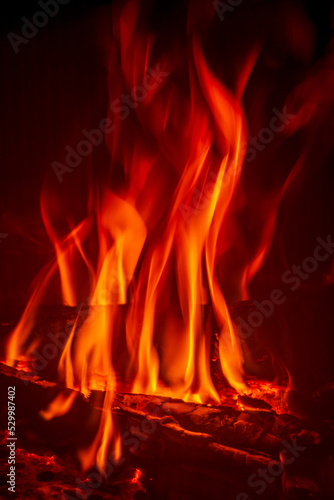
[173, 422]
[249, 437]
[258, 431]
[220, 445]
[155, 441]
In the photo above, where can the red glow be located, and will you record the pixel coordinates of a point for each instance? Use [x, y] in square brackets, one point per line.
[166, 232]
[136, 477]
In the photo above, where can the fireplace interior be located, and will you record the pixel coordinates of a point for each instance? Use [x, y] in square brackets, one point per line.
[167, 241]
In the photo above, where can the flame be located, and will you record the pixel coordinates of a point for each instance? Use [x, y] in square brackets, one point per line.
[59, 406]
[155, 229]
[106, 437]
[86, 362]
[23, 331]
[180, 255]
[136, 477]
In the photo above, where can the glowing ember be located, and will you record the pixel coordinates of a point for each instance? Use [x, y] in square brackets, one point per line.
[138, 473]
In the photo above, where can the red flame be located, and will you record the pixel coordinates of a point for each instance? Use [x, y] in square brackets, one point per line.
[157, 229]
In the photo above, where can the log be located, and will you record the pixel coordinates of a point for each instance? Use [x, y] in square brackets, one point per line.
[197, 444]
[250, 432]
[169, 418]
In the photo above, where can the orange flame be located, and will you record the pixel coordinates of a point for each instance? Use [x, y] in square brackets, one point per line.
[155, 231]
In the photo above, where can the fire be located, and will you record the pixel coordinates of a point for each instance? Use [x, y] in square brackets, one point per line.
[59, 406]
[153, 235]
[136, 477]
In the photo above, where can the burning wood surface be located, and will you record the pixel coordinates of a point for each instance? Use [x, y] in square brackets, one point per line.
[222, 444]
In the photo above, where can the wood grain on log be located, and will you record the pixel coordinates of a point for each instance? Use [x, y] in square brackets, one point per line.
[197, 444]
[257, 434]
